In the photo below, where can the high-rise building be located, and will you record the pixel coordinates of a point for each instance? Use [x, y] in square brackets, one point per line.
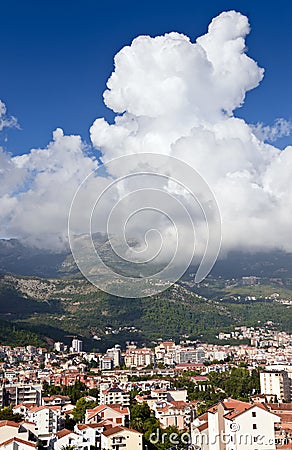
[76, 346]
[115, 354]
[276, 386]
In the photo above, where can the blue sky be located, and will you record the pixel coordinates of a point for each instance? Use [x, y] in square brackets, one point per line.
[57, 57]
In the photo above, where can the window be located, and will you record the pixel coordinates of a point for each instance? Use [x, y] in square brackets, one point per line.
[254, 426]
[254, 414]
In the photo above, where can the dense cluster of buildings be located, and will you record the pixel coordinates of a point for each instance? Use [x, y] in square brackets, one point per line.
[114, 375]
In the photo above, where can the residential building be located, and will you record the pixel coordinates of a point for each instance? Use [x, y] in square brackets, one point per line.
[115, 355]
[276, 386]
[175, 413]
[138, 357]
[76, 346]
[120, 438]
[235, 425]
[114, 396]
[114, 414]
[48, 420]
[12, 394]
[65, 438]
[16, 436]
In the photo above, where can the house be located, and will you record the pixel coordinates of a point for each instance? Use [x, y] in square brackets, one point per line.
[92, 432]
[17, 444]
[23, 408]
[114, 414]
[175, 413]
[55, 400]
[15, 435]
[66, 438]
[120, 438]
[235, 425]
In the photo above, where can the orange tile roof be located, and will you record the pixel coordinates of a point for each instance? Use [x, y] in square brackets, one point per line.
[118, 408]
[9, 423]
[236, 407]
[20, 441]
[64, 432]
[203, 426]
[118, 429]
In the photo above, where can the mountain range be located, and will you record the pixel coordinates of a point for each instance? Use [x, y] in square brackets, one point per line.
[43, 298]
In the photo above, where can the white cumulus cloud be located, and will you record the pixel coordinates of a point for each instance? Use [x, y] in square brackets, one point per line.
[178, 98]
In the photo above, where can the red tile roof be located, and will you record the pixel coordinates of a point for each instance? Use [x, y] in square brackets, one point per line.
[9, 423]
[118, 429]
[63, 433]
[19, 441]
[203, 426]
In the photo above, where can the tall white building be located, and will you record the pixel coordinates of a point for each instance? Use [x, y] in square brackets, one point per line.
[76, 346]
[48, 420]
[115, 354]
[276, 386]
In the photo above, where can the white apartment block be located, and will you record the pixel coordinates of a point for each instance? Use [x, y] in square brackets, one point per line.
[76, 346]
[114, 396]
[48, 421]
[138, 357]
[115, 355]
[276, 386]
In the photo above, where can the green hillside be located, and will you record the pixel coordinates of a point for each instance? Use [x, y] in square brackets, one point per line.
[55, 308]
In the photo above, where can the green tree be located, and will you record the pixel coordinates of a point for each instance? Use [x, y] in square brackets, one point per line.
[81, 406]
[7, 414]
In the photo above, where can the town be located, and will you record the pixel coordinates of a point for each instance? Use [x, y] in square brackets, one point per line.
[188, 395]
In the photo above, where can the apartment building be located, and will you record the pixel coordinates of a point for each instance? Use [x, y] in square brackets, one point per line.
[115, 355]
[76, 346]
[138, 357]
[114, 396]
[12, 394]
[48, 420]
[276, 386]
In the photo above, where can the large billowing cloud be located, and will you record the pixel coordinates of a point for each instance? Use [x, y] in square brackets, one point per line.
[176, 98]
